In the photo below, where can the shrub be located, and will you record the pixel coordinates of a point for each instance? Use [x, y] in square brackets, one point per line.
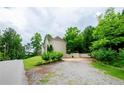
[46, 56]
[49, 48]
[52, 56]
[59, 55]
[1, 56]
[120, 60]
[121, 54]
[104, 55]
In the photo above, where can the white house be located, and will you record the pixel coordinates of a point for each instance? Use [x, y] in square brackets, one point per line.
[57, 43]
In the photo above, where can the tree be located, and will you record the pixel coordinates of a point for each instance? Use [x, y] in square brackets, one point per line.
[11, 44]
[36, 43]
[109, 32]
[123, 12]
[73, 38]
[87, 38]
[108, 35]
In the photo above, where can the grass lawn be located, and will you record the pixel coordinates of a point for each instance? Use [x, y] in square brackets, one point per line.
[114, 71]
[32, 62]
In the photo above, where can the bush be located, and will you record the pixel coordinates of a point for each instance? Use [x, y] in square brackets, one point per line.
[103, 55]
[52, 56]
[120, 60]
[50, 48]
[121, 54]
[1, 56]
[46, 56]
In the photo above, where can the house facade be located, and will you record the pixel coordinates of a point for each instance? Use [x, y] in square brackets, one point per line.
[57, 44]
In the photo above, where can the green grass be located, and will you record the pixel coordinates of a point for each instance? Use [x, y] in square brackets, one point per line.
[119, 63]
[32, 62]
[111, 70]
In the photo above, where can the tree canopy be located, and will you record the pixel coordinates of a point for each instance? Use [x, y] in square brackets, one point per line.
[36, 43]
[73, 38]
[110, 31]
[10, 44]
[87, 38]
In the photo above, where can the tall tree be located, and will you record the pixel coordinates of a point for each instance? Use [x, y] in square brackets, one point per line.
[36, 43]
[11, 43]
[87, 38]
[110, 31]
[73, 38]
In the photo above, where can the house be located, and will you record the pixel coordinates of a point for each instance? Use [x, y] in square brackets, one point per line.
[57, 44]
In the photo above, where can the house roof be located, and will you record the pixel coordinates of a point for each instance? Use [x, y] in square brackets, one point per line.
[57, 38]
[49, 37]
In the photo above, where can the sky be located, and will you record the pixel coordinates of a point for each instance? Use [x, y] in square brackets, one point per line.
[48, 20]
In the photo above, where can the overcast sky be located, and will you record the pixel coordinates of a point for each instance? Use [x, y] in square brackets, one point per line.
[54, 21]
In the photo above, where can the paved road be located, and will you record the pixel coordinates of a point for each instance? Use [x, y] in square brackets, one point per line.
[12, 73]
[71, 71]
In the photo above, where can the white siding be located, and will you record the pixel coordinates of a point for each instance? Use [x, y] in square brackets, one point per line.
[59, 45]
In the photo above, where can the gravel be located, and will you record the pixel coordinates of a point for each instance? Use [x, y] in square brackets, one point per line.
[71, 72]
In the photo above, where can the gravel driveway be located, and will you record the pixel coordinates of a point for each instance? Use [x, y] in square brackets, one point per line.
[12, 73]
[70, 72]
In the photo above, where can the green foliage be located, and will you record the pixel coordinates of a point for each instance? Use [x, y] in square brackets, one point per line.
[36, 43]
[10, 44]
[74, 40]
[108, 37]
[121, 54]
[119, 62]
[110, 31]
[87, 38]
[1, 56]
[118, 59]
[46, 56]
[99, 43]
[56, 56]
[49, 48]
[104, 55]
[77, 41]
[52, 56]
